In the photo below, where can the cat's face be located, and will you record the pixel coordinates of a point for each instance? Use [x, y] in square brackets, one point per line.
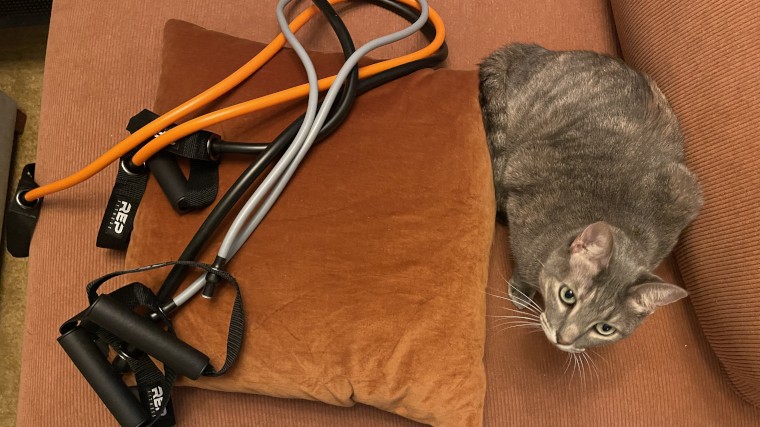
[593, 295]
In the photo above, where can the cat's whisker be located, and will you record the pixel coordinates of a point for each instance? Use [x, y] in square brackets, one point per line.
[498, 296]
[501, 273]
[604, 359]
[567, 364]
[500, 324]
[522, 324]
[572, 373]
[493, 328]
[527, 298]
[522, 297]
[497, 290]
[583, 368]
[529, 307]
[527, 304]
[529, 315]
[584, 357]
[575, 365]
[531, 318]
[592, 364]
[526, 321]
[519, 325]
[514, 322]
[519, 311]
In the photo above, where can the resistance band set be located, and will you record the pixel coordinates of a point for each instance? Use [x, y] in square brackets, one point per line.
[132, 323]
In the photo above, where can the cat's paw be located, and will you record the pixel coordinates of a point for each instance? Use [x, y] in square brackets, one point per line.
[521, 296]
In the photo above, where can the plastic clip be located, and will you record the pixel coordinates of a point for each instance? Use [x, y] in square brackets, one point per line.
[212, 278]
[22, 215]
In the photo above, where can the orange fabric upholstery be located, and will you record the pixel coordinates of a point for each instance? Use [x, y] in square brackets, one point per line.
[705, 55]
[103, 65]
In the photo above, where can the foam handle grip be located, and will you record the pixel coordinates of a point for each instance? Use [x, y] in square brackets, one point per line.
[148, 336]
[165, 168]
[109, 387]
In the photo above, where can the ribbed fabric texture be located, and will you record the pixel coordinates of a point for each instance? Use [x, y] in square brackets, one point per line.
[705, 56]
[102, 66]
[663, 374]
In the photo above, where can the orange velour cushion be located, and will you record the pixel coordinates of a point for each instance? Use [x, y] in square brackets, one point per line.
[365, 283]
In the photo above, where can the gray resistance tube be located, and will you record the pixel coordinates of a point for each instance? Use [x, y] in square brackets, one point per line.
[237, 235]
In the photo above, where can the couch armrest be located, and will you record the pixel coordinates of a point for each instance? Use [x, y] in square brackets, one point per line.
[704, 55]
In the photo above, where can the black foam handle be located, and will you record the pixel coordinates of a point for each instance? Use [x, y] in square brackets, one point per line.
[165, 168]
[78, 344]
[148, 336]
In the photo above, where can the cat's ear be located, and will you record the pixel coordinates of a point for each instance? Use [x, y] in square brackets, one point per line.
[594, 246]
[645, 297]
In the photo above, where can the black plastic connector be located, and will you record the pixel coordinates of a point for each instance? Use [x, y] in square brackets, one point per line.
[131, 168]
[212, 278]
[22, 215]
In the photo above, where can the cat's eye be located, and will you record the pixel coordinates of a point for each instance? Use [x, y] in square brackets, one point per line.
[567, 295]
[604, 329]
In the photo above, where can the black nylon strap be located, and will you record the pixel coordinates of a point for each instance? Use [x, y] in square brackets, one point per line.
[128, 190]
[203, 182]
[202, 186]
[154, 390]
[193, 146]
[119, 217]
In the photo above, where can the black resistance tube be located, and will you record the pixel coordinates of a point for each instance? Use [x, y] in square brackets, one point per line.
[249, 176]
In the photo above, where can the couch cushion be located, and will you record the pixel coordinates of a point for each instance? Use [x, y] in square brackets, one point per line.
[365, 281]
[704, 55]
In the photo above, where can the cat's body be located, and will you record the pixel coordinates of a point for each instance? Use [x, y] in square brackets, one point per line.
[577, 139]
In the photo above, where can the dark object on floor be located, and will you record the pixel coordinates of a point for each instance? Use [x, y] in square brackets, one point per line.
[11, 122]
[21, 13]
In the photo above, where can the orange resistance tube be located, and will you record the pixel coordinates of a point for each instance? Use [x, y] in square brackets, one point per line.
[218, 90]
[270, 100]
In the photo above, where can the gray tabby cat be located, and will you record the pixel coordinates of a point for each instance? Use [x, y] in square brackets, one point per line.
[589, 170]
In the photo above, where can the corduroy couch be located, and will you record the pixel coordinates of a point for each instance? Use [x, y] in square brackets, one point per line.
[695, 363]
